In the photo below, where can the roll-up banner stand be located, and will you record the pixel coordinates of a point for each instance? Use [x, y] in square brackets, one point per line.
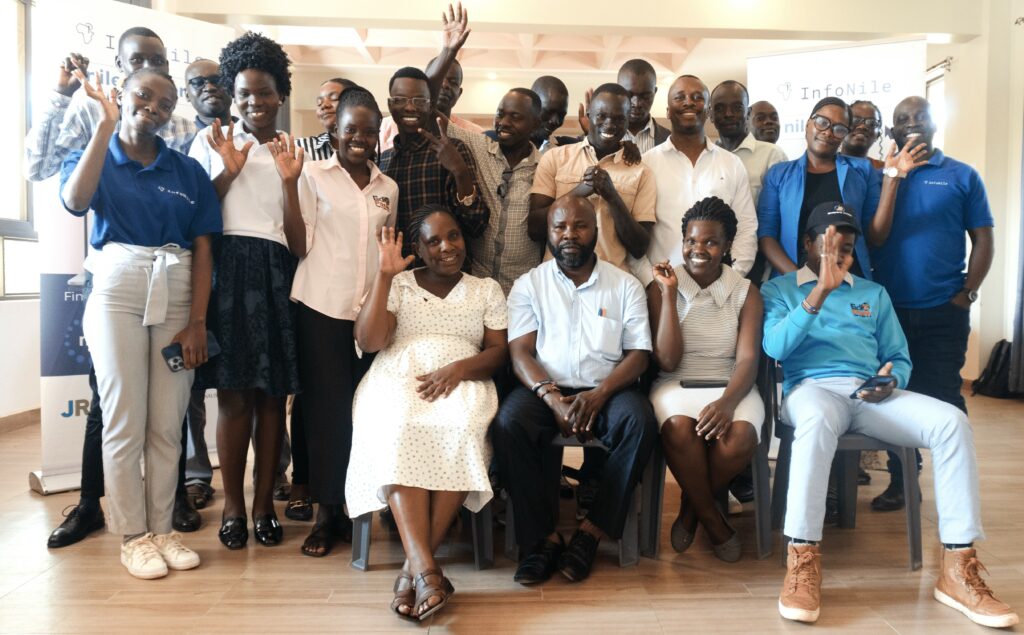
[92, 28]
[880, 72]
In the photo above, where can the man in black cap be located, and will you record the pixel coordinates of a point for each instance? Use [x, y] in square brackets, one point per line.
[846, 366]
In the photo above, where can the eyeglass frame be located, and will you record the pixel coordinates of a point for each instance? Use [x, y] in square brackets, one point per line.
[421, 103]
[832, 125]
[207, 79]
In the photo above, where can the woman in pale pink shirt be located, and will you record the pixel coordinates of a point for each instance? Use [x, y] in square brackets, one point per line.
[338, 207]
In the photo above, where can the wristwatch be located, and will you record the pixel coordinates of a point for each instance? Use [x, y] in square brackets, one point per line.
[893, 172]
[972, 295]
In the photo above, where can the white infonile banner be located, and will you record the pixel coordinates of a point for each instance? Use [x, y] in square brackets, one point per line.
[883, 73]
[92, 28]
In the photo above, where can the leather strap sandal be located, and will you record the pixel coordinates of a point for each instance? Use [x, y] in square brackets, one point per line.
[405, 595]
[320, 540]
[426, 590]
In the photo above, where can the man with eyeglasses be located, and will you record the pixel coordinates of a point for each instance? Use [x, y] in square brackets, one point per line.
[921, 260]
[639, 79]
[67, 121]
[764, 121]
[793, 188]
[429, 168]
[865, 131]
[505, 166]
[207, 96]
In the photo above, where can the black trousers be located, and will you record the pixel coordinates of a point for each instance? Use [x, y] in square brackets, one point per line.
[329, 371]
[530, 466]
[300, 452]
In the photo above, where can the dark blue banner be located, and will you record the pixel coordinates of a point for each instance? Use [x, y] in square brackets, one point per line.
[63, 351]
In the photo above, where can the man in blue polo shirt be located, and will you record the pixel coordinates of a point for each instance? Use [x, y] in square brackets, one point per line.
[921, 261]
[833, 331]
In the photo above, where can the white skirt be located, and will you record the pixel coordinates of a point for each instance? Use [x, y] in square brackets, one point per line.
[670, 399]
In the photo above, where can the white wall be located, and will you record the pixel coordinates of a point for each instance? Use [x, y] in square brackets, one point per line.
[19, 362]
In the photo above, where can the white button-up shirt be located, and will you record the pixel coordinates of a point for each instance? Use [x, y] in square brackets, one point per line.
[342, 226]
[682, 183]
[582, 332]
[757, 157]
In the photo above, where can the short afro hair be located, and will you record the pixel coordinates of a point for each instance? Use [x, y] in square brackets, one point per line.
[148, 70]
[408, 72]
[257, 52]
[136, 31]
[534, 98]
[612, 89]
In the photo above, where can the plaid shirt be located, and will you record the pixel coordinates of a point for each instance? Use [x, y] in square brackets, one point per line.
[67, 123]
[422, 180]
[504, 251]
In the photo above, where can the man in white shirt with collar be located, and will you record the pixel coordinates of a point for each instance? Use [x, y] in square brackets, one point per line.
[729, 106]
[580, 339]
[637, 76]
[687, 169]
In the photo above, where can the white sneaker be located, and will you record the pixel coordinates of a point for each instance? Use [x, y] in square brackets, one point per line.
[176, 555]
[141, 558]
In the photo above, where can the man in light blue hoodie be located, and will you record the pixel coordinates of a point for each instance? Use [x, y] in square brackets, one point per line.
[832, 331]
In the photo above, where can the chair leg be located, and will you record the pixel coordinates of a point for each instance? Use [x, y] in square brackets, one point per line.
[629, 544]
[361, 527]
[762, 504]
[653, 488]
[847, 476]
[511, 548]
[780, 488]
[483, 538]
[912, 498]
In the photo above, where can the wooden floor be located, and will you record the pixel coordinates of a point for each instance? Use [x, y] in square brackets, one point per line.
[867, 586]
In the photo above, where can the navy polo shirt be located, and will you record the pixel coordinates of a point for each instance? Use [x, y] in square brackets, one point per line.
[923, 262]
[169, 201]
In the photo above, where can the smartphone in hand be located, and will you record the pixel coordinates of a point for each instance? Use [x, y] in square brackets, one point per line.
[874, 382]
[176, 360]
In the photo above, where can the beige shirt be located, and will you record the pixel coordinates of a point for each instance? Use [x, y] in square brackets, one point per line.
[561, 170]
[757, 157]
[342, 226]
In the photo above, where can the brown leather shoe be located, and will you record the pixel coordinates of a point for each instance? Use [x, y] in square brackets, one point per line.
[800, 599]
[960, 587]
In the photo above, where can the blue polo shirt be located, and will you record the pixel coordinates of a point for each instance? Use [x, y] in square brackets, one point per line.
[169, 201]
[782, 195]
[923, 262]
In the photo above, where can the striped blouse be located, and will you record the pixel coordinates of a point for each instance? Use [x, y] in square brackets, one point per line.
[316, 148]
[710, 322]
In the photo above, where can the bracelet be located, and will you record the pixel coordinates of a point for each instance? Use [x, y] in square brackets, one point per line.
[540, 384]
[467, 200]
[813, 310]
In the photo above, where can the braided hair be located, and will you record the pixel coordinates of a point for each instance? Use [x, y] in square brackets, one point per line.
[148, 70]
[258, 52]
[714, 209]
[354, 97]
[418, 217]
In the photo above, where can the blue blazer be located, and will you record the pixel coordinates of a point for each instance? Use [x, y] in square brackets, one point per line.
[782, 195]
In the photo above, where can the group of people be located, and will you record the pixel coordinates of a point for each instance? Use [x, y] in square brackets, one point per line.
[444, 301]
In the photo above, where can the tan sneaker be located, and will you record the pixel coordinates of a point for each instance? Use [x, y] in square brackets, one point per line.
[960, 587]
[176, 555]
[142, 559]
[800, 599]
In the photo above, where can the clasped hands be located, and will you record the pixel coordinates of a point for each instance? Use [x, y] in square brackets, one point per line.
[576, 414]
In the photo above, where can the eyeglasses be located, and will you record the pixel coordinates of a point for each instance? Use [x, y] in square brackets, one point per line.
[198, 83]
[869, 122]
[420, 103]
[823, 123]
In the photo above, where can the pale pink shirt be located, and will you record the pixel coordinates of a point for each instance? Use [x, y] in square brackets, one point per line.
[342, 226]
[389, 130]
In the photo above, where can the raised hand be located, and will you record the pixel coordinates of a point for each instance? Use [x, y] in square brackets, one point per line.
[665, 276]
[67, 81]
[455, 27]
[111, 109]
[389, 250]
[908, 158]
[833, 265]
[287, 157]
[584, 119]
[233, 158]
[447, 154]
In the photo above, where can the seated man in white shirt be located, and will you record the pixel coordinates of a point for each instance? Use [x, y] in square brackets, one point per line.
[579, 339]
[687, 169]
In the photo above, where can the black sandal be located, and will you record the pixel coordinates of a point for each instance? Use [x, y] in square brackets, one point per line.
[299, 509]
[426, 590]
[321, 539]
[234, 532]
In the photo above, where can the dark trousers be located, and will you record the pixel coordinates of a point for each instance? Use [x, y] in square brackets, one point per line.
[300, 453]
[530, 466]
[937, 339]
[329, 371]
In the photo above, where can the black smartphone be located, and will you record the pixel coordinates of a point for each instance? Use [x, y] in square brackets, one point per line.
[703, 384]
[874, 382]
[176, 361]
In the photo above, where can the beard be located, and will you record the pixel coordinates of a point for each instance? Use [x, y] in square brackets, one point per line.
[573, 260]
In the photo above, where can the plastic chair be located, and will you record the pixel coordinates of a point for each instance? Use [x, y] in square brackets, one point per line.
[848, 450]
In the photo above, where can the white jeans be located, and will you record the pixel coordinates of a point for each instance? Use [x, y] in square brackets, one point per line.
[820, 411]
[140, 300]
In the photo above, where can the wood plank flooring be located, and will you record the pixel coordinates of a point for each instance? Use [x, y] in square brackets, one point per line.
[867, 586]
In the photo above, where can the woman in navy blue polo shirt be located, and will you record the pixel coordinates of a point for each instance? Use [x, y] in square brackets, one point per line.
[250, 311]
[151, 261]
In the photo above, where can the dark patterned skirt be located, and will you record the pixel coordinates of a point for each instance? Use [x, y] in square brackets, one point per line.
[252, 318]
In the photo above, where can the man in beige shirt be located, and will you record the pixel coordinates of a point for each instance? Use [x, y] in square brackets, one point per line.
[623, 195]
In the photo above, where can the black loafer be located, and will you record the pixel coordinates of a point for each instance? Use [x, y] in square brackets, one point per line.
[185, 518]
[578, 558]
[233, 532]
[299, 509]
[268, 530]
[890, 500]
[540, 563]
[76, 525]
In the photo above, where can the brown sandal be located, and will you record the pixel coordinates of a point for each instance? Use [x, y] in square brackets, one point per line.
[405, 595]
[426, 590]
